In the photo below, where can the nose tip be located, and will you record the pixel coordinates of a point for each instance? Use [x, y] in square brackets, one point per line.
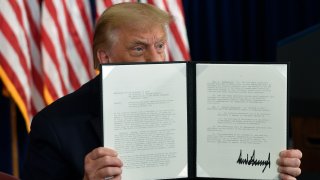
[155, 59]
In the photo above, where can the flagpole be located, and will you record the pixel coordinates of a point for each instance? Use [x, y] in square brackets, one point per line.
[14, 139]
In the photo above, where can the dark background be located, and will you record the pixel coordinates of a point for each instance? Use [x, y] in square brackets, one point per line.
[218, 30]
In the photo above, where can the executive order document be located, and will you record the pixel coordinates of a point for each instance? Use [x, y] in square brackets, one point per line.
[188, 119]
[241, 119]
[145, 113]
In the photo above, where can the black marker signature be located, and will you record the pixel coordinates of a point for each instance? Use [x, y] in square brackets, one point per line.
[253, 161]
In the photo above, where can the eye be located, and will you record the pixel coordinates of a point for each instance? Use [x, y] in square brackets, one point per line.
[160, 46]
[137, 50]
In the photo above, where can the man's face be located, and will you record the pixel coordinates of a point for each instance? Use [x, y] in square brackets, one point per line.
[137, 45]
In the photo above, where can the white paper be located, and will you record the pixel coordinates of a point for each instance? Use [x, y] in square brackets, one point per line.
[241, 109]
[145, 118]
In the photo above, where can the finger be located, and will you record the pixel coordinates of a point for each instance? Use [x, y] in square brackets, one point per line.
[101, 151]
[291, 171]
[105, 161]
[109, 171]
[289, 162]
[291, 153]
[108, 161]
[286, 177]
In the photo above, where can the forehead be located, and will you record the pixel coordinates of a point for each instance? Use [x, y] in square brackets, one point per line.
[155, 32]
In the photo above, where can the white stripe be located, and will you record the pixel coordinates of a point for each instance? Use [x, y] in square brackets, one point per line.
[88, 13]
[100, 6]
[10, 16]
[12, 59]
[34, 7]
[37, 99]
[52, 73]
[35, 54]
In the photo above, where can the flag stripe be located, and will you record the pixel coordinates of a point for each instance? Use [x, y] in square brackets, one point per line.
[63, 60]
[49, 64]
[10, 33]
[7, 32]
[78, 50]
[50, 48]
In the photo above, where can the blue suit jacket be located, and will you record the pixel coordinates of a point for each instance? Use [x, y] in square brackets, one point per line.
[63, 133]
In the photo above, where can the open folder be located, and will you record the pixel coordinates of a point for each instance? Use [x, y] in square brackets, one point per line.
[189, 119]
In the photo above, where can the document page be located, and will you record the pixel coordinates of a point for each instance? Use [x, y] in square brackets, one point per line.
[241, 119]
[145, 118]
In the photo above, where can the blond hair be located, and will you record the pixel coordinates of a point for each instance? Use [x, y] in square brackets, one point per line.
[125, 14]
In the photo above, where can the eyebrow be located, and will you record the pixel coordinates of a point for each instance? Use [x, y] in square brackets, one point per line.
[144, 43]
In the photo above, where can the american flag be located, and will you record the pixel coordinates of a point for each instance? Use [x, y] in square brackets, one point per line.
[20, 55]
[45, 47]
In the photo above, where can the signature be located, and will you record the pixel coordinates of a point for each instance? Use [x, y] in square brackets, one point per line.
[253, 161]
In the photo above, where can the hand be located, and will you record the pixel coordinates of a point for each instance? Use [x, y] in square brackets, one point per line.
[101, 163]
[289, 164]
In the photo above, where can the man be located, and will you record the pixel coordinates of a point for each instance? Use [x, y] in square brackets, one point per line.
[66, 137]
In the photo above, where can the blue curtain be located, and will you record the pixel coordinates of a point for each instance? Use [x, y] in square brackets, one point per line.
[245, 30]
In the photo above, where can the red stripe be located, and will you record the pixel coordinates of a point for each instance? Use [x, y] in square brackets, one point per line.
[14, 80]
[78, 44]
[108, 3]
[174, 30]
[53, 13]
[33, 109]
[48, 45]
[38, 81]
[12, 39]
